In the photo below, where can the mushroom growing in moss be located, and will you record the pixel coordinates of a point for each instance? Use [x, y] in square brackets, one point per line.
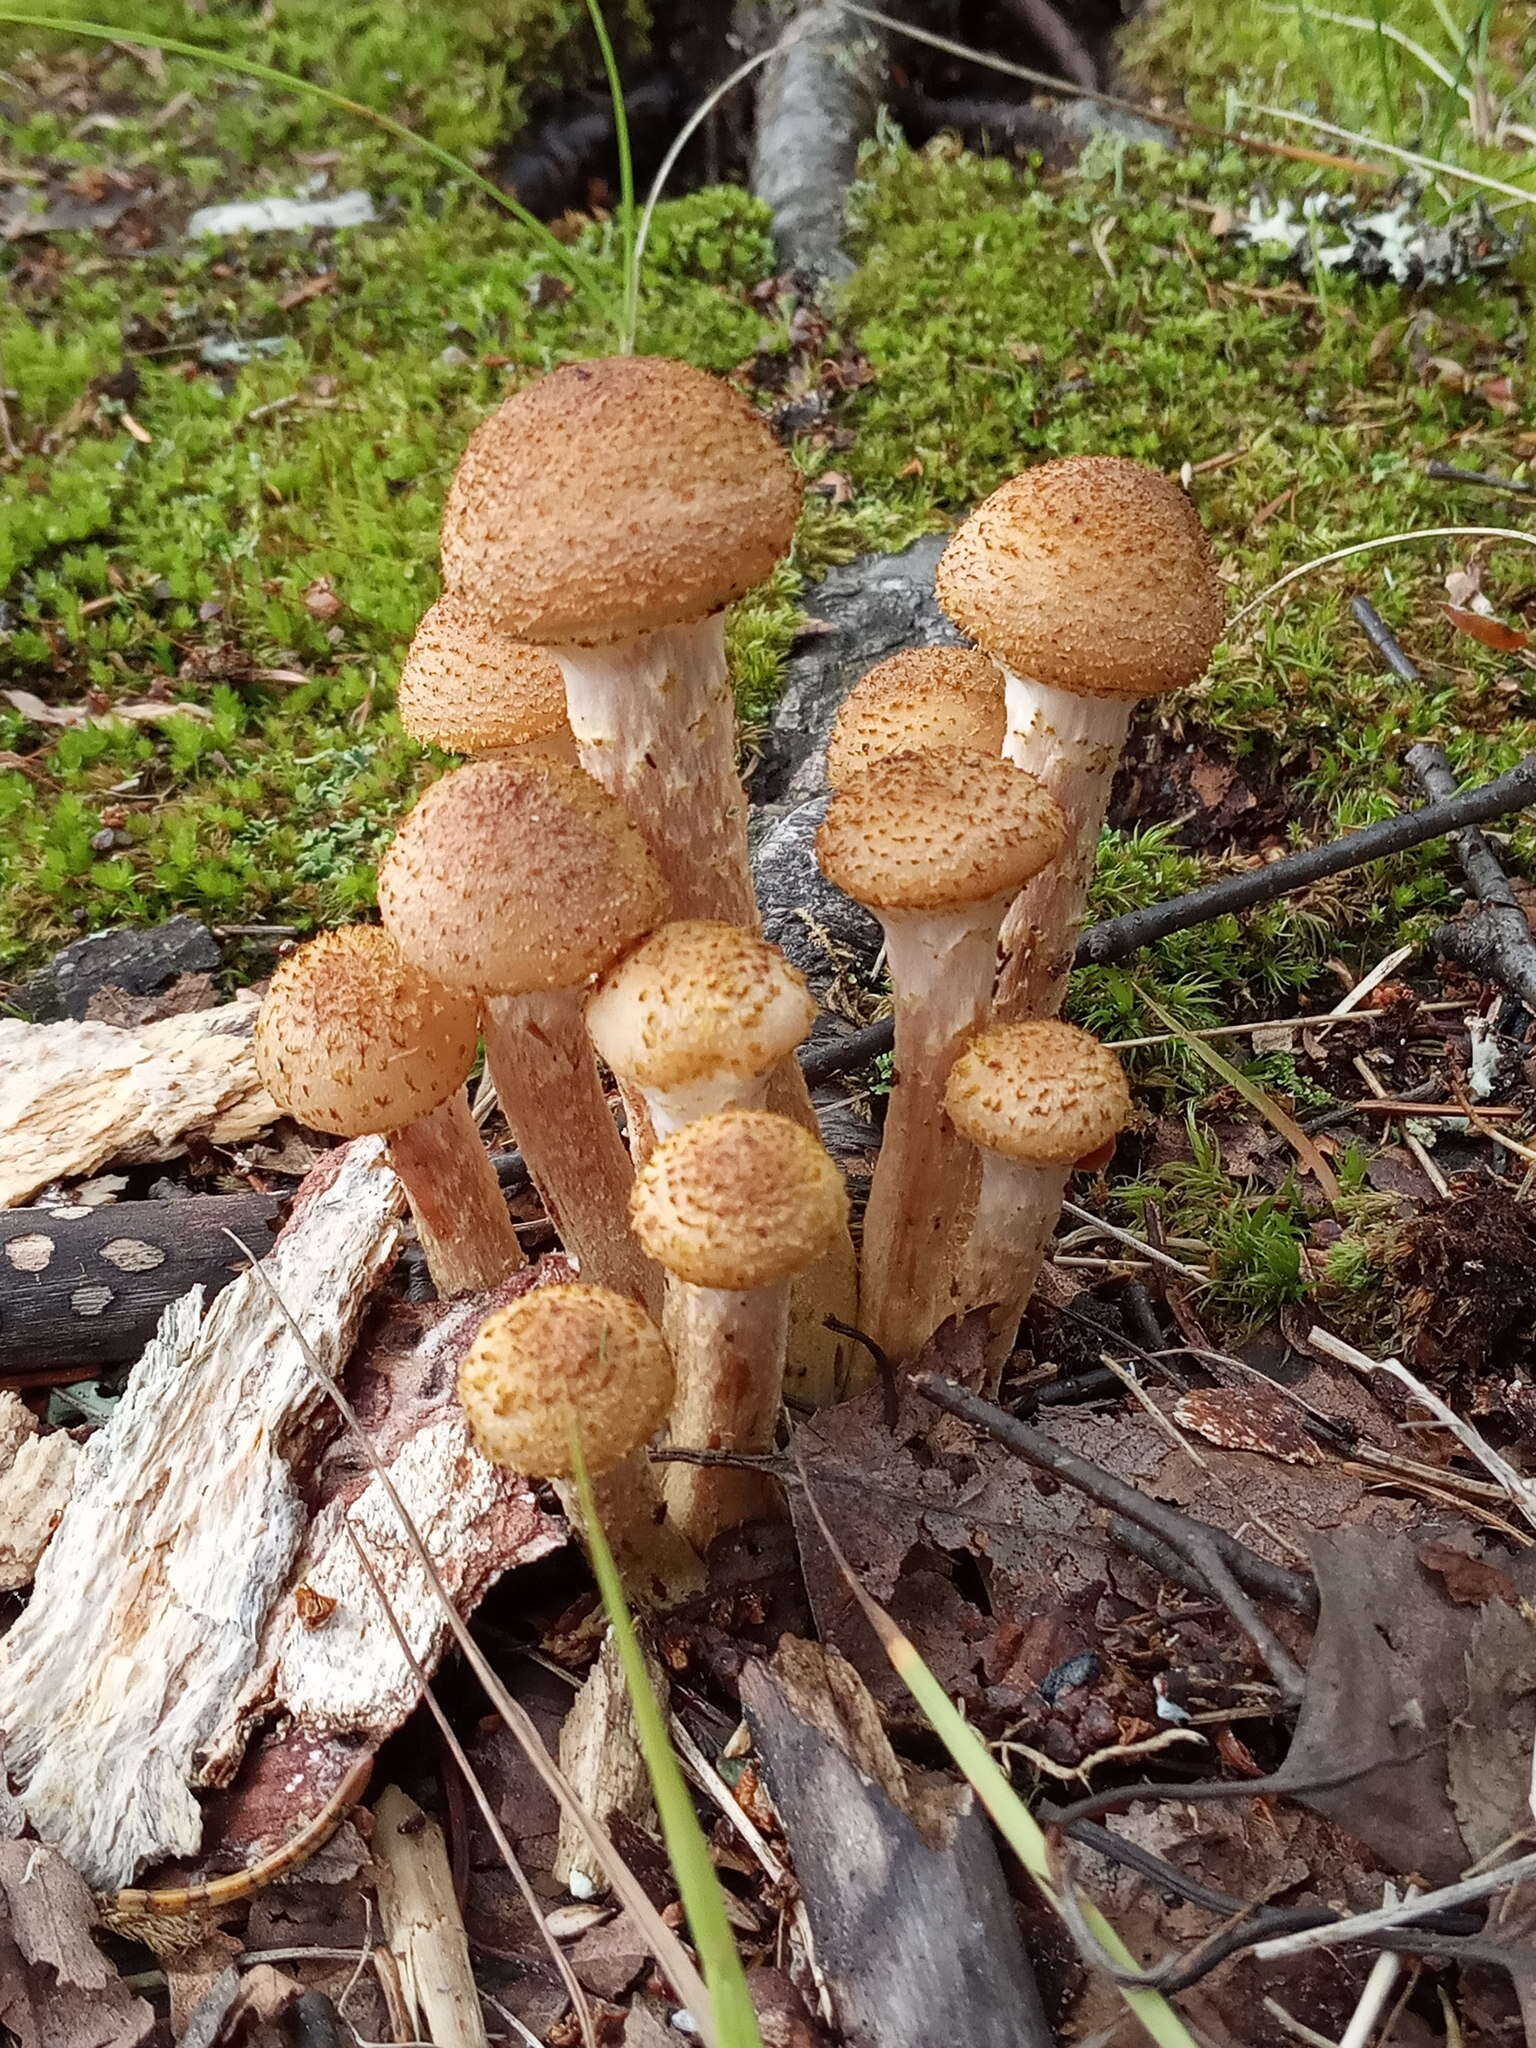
[733, 1206]
[1090, 581]
[936, 845]
[1036, 1098]
[354, 1040]
[924, 697]
[581, 1362]
[521, 879]
[470, 690]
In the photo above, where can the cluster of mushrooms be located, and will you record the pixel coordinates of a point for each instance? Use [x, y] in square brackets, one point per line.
[577, 897]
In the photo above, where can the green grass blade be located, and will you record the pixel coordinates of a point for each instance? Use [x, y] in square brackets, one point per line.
[734, 2021]
[627, 217]
[581, 273]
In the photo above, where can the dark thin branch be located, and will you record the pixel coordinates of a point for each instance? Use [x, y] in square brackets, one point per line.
[1497, 942]
[1445, 473]
[1191, 1539]
[1277, 1785]
[1103, 944]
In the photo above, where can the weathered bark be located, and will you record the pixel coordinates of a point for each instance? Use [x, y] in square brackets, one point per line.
[816, 105]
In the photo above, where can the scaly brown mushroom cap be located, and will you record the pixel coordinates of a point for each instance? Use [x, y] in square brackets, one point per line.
[1092, 574]
[516, 875]
[1042, 1092]
[561, 1358]
[924, 697]
[938, 830]
[739, 1200]
[699, 1001]
[470, 689]
[354, 1040]
[612, 498]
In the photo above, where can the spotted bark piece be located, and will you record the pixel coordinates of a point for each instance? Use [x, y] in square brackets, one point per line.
[90, 1301]
[30, 1254]
[1250, 1418]
[133, 1255]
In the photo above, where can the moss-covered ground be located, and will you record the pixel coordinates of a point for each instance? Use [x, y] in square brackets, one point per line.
[224, 460]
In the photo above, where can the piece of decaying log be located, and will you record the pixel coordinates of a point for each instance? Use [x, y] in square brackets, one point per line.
[73, 1096]
[423, 1925]
[86, 1287]
[601, 1755]
[915, 1932]
[37, 1476]
[816, 104]
[185, 1521]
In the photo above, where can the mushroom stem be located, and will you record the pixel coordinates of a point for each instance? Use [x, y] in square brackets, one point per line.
[655, 724]
[546, 1077]
[728, 1350]
[461, 1217]
[1016, 1213]
[941, 965]
[656, 1562]
[1073, 744]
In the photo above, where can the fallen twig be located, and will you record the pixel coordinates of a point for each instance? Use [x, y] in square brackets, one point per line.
[1496, 942]
[1446, 473]
[1204, 1548]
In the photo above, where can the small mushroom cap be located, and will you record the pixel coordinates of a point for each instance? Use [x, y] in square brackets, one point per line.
[1093, 575]
[353, 1039]
[699, 1002]
[925, 697]
[518, 874]
[468, 688]
[938, 830]
[561, 1358]
[614, 497]
[1042, 1092]
[739, 1200]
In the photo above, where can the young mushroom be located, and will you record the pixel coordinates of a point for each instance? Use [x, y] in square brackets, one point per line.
[936, 845]
[733, 1206]
[698, 1018]
[520, 879]
[582, 1361]
[1090, 581]
[610, 511]
[470, 690]
[1037, 1099]
[924, 697]
[354, 1040]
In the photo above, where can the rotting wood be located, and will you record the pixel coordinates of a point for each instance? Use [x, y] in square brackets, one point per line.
[86, 1287]
[423, 1924]
[600, 1753]
[183, 1527]
[73, 1096]
[816, 105]
[915, 1930]
[37, 1476]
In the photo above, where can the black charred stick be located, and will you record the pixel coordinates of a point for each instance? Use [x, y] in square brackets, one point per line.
[1481, 479]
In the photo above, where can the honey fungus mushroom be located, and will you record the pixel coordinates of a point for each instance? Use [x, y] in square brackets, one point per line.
[1035, 1098]
[1090, 581]
[936, 845]
[471, 690]
[610, 511]
[354, 1040]
[924, 697]
[733, 1206]
[520, 879]
[564, 1362]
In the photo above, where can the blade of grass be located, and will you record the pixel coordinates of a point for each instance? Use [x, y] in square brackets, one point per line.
[1252, 1094]
[1013, 1819]
[735, 2021]
[627, 316]
[1365, 547]
[581, 273]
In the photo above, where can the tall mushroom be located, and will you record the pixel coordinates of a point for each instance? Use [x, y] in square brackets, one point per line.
[936, 845]
[521, 879]
[610, 511]
[1036, 1099]
[584, 1362]
[471, 690]
[354, 1040]
[733, 1206]
[924, 697]
[1090, 581]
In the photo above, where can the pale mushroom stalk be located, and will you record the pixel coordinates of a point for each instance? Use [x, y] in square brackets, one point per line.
[733, 1205]
[655, 723]
[355, 1040]
[540, 1060]
[462, 1224]
[1017, 1208]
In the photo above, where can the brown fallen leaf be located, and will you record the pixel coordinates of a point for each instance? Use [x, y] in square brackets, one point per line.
[1248, 1418]
[321, 601]
[146, 711]
[1487, 632]
[1468, 1580]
